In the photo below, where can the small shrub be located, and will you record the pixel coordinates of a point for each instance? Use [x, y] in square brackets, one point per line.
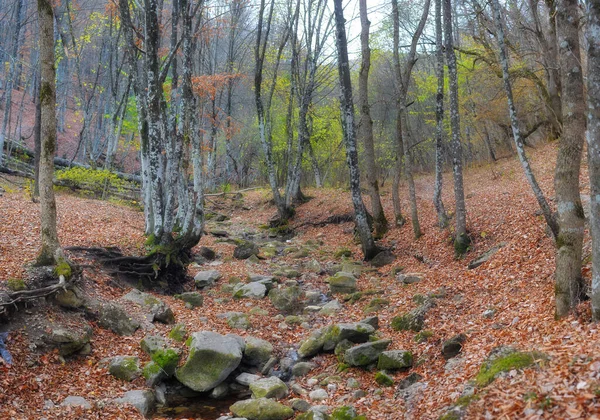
[15, 284]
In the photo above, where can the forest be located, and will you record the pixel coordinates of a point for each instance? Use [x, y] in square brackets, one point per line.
[309, 209]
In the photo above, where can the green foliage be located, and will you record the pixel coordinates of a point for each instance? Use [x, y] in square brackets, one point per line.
[63, 269]
[423, 336]
[92, 181]
[15, 284]
[384, 379]
[343, 253]
[515, 360]
[178, 333]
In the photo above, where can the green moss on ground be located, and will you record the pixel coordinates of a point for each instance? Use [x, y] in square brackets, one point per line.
[515, 360]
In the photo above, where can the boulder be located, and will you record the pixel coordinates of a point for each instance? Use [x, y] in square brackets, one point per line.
[365, 354]
[376, 304]
[395, 359]
[238, 320]
[373, 321]
[271, 387]
[286, 299]
[356, 332]
[257, 352]
[245, 250]
[141, 399]
[115, 318]
[153, 374]
[302, 368]
[207, 253]
[261, 409]
[69, 339]
[206, 278]
[72, 298]
[246, 379]
[212, 357]
[342, 282]
[453, 346]
[193, 299]
[382, 259]
[220, 391]
[328, 337]
[125, 367]
[255, 290]
[330, 308]
[152, 343]
[156, 308]
[413, 320]
[318, 394]
[76, 401]
[409, 278]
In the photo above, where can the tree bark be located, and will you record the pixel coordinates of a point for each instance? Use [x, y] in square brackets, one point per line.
[347, 110]
[50, 252]
[461, 241]
[566, 180]
[365, 124]
[439, 119]
[537, 191]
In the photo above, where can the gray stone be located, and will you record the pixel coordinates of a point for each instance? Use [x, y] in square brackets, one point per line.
[245, 250]
[142, 400]
[246, 378]
[409, 278]
[114, 317]
[358, 394]
[373, 321]
[342, 282]
[69, 339]
[72, 298]
[352, 383]
[76, 401]
[194, 299]
[268, 281]
[153, 374]
[125, 367]
[286, 299]
[256, 290]
[151, 343]
[382, 259]
[365, 354]
[318, 395]
[312, 297]
[211, 359]
[156, 308]
[331, 308]
[410, 380]
[206, 278]
[261, 409]
[395, 359]
[453, 346]
[220, 391]
[302, 368]
[356, 332]
[297, 389]
[301, 405]
[489, 313]
[271, 387]
[257, 352]
[238, 320]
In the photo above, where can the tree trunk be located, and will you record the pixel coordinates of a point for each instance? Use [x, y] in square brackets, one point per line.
[537, 191]
[461, 241]
[439, 119]
[347, 110]
[593, 139]
[412, 193]
[37, 142]
[50, 252]
[365, 125]
[566, 181]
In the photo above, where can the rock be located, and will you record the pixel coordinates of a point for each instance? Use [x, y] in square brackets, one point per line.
[395, 359]
[246, 378]
[328, 337]
[373, 321]
[358, 394]
[302, 368]
[194, 299]
[207, 253]
[268, 367]
[453, 346]
[318, 395]
[126, 368]
[354, 332]
[153, 374]
[152, 343]
[489, 313]
[254, 290]
[114, 317]
[485, 256]
[346, 413]
[313, 266]
[271, 387]
[220, 391]
[365, 354]
[268, 281]
[294, 320]
[410, 380]
[413, 320]
[286, 299]
[352, 383]
[219, 233]
[257, 352]
[76, 401]
[157, 309]
[211, 359]
[376, 305]
[330, 308]
[312, 297]
[297, 389]
[504, 359]
[142, 400]
[245, 250]
[72, 298]
[300, 405]
[382, 259]
[342, 282]
[69, 339]
[238, 320]
[206, 278]
[409, 278]
[383, 379]
[167, 360]
[261, 409]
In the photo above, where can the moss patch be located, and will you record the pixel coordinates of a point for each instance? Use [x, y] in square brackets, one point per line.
[384, 379]
[16, 284]
[423, 336]
[178, 333]
[63, 269]
[515, 360]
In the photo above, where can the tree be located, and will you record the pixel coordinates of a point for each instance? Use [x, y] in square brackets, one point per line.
[439, 119]
[50, 252]
[568, 162]
[365, 124]
[539, 194]
[347, 109]
[461, 240]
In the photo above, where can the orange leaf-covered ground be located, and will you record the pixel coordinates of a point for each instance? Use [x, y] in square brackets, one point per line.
[517, 282]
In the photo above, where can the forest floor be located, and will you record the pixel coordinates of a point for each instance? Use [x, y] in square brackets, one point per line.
[516, 283]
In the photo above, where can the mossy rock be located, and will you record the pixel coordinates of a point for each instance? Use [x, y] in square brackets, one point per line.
[125, 367]
[153, 373]
[342, 253]
[342, 282]
[407, 322]
[384, 379]
[167, 359]
[261, 409]
[376, 305]
[178, 332]
[423, 336]
[395, 359]
[505, 359]
[419, 299]
[194, 299]
[346, 413]
[294, 320]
